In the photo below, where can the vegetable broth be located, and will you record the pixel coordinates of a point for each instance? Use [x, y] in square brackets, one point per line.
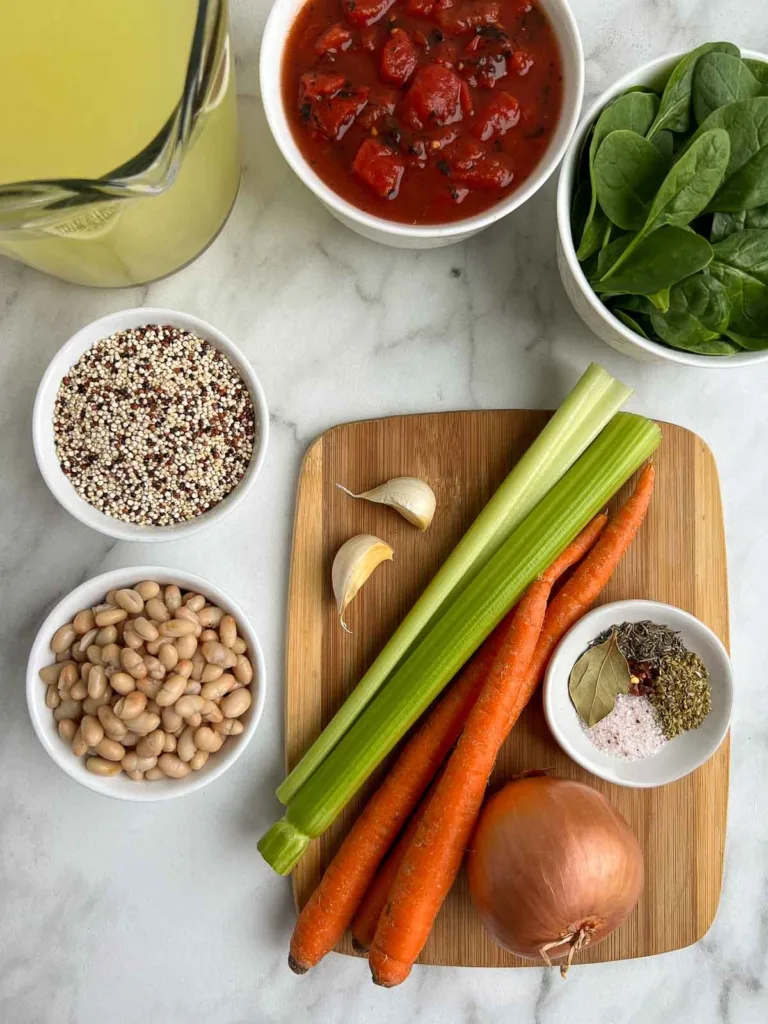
[92, 84]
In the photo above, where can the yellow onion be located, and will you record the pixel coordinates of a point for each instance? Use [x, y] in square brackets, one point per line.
[553, 867]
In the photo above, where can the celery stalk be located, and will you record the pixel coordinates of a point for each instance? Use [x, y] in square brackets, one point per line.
[581, 417]
[451, 640]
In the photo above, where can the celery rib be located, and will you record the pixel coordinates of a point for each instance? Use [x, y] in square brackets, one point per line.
[584, 413]
[607, 464]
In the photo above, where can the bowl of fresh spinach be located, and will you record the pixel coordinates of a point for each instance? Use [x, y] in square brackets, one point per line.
[662, 210]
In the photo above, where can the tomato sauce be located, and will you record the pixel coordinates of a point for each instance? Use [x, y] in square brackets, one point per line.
[422, 111]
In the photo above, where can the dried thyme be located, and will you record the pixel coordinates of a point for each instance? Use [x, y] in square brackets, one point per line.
[645, 641]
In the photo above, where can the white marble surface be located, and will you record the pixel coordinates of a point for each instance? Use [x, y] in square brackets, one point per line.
[129, 914]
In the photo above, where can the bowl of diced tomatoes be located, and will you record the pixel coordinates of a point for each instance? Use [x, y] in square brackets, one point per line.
[418, 123]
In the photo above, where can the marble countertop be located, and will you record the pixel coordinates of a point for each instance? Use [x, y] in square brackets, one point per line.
[127, 914]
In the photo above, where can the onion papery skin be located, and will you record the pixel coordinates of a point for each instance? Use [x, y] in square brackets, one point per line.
[549, 858]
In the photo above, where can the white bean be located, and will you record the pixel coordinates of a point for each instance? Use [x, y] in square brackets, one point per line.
[171, 690]
[131, 705]
[63, 638]
[236, 703]
[173, 766]
[198, 759]
[122, 683]
[207, 739]
[99, 766]
[144, 723]
[185, 745]
[218, 654]
[228, 631]
[130, 600]
[151, 745]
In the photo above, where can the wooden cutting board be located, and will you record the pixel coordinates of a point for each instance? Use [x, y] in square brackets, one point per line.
[678, 557]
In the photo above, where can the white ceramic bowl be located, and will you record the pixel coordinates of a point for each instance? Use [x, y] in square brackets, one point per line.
[677, 757]
[405, 236]
[121, 787]
[583, 299]
[43, 435]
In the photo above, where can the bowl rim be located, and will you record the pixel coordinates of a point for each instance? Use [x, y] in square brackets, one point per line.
[273, 42]
[564, 195]
[42, 423]
[618, 611]
[63, 757]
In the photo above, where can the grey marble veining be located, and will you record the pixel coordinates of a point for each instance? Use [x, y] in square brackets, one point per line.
[130, 914]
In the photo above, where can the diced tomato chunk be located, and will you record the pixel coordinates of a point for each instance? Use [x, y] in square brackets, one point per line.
[365, 12]
[317, 86]
[381, 102]
[470, 164]
[398, 58]
[521, 61]
[380, 167]
[334, 117]
[437, 97]
[498, 117]
[419, 8]
[335, 39]
[467, 17]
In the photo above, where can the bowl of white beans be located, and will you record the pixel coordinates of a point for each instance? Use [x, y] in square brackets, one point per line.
[145, 683]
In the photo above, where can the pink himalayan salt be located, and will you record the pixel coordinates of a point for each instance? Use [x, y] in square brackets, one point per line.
[631, 731]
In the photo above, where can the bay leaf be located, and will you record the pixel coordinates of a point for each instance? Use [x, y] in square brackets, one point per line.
[600, 674]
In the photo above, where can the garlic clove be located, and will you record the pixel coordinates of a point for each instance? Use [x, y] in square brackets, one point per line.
[414, 499]
[354, 562]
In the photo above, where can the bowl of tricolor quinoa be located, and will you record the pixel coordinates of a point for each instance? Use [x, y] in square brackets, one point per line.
[149, 425]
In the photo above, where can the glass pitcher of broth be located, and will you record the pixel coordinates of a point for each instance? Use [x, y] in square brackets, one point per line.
[119, 156]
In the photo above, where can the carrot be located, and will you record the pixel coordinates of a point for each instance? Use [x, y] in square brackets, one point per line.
[331, 907]
[333, 904]
[433, 857]
[580, 592]
[369, 911]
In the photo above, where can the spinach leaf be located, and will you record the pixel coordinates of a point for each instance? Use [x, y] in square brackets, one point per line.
[720, 79]
[746, 342]
[630, 322]
[745, 251]
[580, 208]
[634, 111]
[746, 178]
[691, 183]
[656, 262]
[758, 68]
[714, 347]
[634, 303]
[698, 312]
[725, 224]
[612, 252]
[683, 194]
[675, 110]
[664, 141]
[748, 296]
[628, 171]
[660, 300]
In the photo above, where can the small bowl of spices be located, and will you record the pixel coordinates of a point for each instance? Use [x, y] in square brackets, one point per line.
[639, 693]
[150, 424]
